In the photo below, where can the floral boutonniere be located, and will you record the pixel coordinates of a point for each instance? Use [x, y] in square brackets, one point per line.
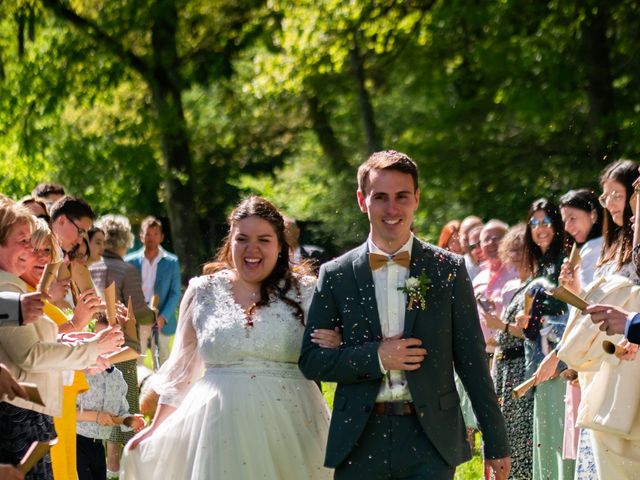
[416, 289]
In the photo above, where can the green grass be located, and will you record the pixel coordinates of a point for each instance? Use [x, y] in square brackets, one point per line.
[472, 470]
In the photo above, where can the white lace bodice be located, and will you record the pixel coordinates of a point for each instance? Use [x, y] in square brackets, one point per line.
[213, 330]
[222, 331]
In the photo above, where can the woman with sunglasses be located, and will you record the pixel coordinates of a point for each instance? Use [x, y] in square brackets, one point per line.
[543, 328]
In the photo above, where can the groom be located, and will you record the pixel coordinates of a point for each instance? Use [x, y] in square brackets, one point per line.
[396, 411]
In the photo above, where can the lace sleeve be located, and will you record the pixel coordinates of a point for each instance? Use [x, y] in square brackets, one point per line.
[307, 287]
[184, 365]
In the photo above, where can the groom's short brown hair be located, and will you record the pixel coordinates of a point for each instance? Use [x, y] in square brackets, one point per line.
[387, 160]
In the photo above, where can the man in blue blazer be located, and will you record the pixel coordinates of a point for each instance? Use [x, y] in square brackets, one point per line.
[160, 273]
[408, 319]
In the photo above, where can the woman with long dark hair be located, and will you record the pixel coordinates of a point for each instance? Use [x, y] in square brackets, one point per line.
[617, 182]
[543, 329]
[583, 215]
[617, 188]
[252, 414]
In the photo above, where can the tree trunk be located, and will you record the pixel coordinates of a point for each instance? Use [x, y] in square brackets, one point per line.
[162, 75]
[366, 109]
[172, 127]
[326, 135]
[602, 105]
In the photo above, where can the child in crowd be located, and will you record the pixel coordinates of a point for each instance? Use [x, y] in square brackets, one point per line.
[99, 410]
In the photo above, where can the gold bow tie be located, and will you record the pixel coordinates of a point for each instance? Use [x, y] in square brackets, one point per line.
[377, 261]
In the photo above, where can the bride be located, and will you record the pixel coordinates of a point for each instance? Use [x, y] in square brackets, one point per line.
[251, 414]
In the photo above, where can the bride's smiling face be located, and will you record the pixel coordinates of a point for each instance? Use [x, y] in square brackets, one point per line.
[254, 249]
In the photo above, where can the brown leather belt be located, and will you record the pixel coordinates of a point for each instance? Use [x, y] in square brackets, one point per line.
[394, 408]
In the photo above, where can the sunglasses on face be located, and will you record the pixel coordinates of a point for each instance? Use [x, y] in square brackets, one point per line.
[545, 222]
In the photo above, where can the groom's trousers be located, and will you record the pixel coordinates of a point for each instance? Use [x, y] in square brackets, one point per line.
[394, 447]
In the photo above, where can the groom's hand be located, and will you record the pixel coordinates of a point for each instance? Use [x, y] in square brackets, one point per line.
[398, 353]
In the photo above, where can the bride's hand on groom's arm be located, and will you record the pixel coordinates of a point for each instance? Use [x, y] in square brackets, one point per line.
[326, 338]
[500, 467]
[398, 353]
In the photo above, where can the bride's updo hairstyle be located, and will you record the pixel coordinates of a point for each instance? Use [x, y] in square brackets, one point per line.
[282, 278]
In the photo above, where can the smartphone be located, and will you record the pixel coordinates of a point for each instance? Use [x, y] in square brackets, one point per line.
[485, 304]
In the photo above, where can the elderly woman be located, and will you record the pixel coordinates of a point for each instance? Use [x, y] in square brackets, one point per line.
[32, 352]
[44, 251]
[128, 283]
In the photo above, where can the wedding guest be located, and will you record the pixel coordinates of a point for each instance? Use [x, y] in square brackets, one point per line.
[299, 253]
[63, 453]
[37, 206]
[467, 246]
[160, 272]
[617, 187]
[243, 322]
[9, 387]
[71, 218]
[80, 254]
[543, 328]
[582, 216]
[489, 282]
[32, 352]
[113, 268]
[50, 192]
[466, 225]
[97, 410]
[450, 237]
[617, 182]
[96, 245]
[19, 309]
[509, 361]
[474, 256]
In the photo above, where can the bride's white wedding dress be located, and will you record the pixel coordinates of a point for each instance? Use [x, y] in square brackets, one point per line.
[251, 414]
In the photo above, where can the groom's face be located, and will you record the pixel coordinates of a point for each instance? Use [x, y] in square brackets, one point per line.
[389, 201]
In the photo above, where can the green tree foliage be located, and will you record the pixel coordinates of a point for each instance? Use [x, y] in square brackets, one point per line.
[178, 107]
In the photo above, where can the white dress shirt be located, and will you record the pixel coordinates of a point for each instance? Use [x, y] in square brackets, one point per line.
[392, 304]
[149, 271]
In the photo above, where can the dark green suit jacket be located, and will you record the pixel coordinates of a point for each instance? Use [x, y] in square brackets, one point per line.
[450, 331]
